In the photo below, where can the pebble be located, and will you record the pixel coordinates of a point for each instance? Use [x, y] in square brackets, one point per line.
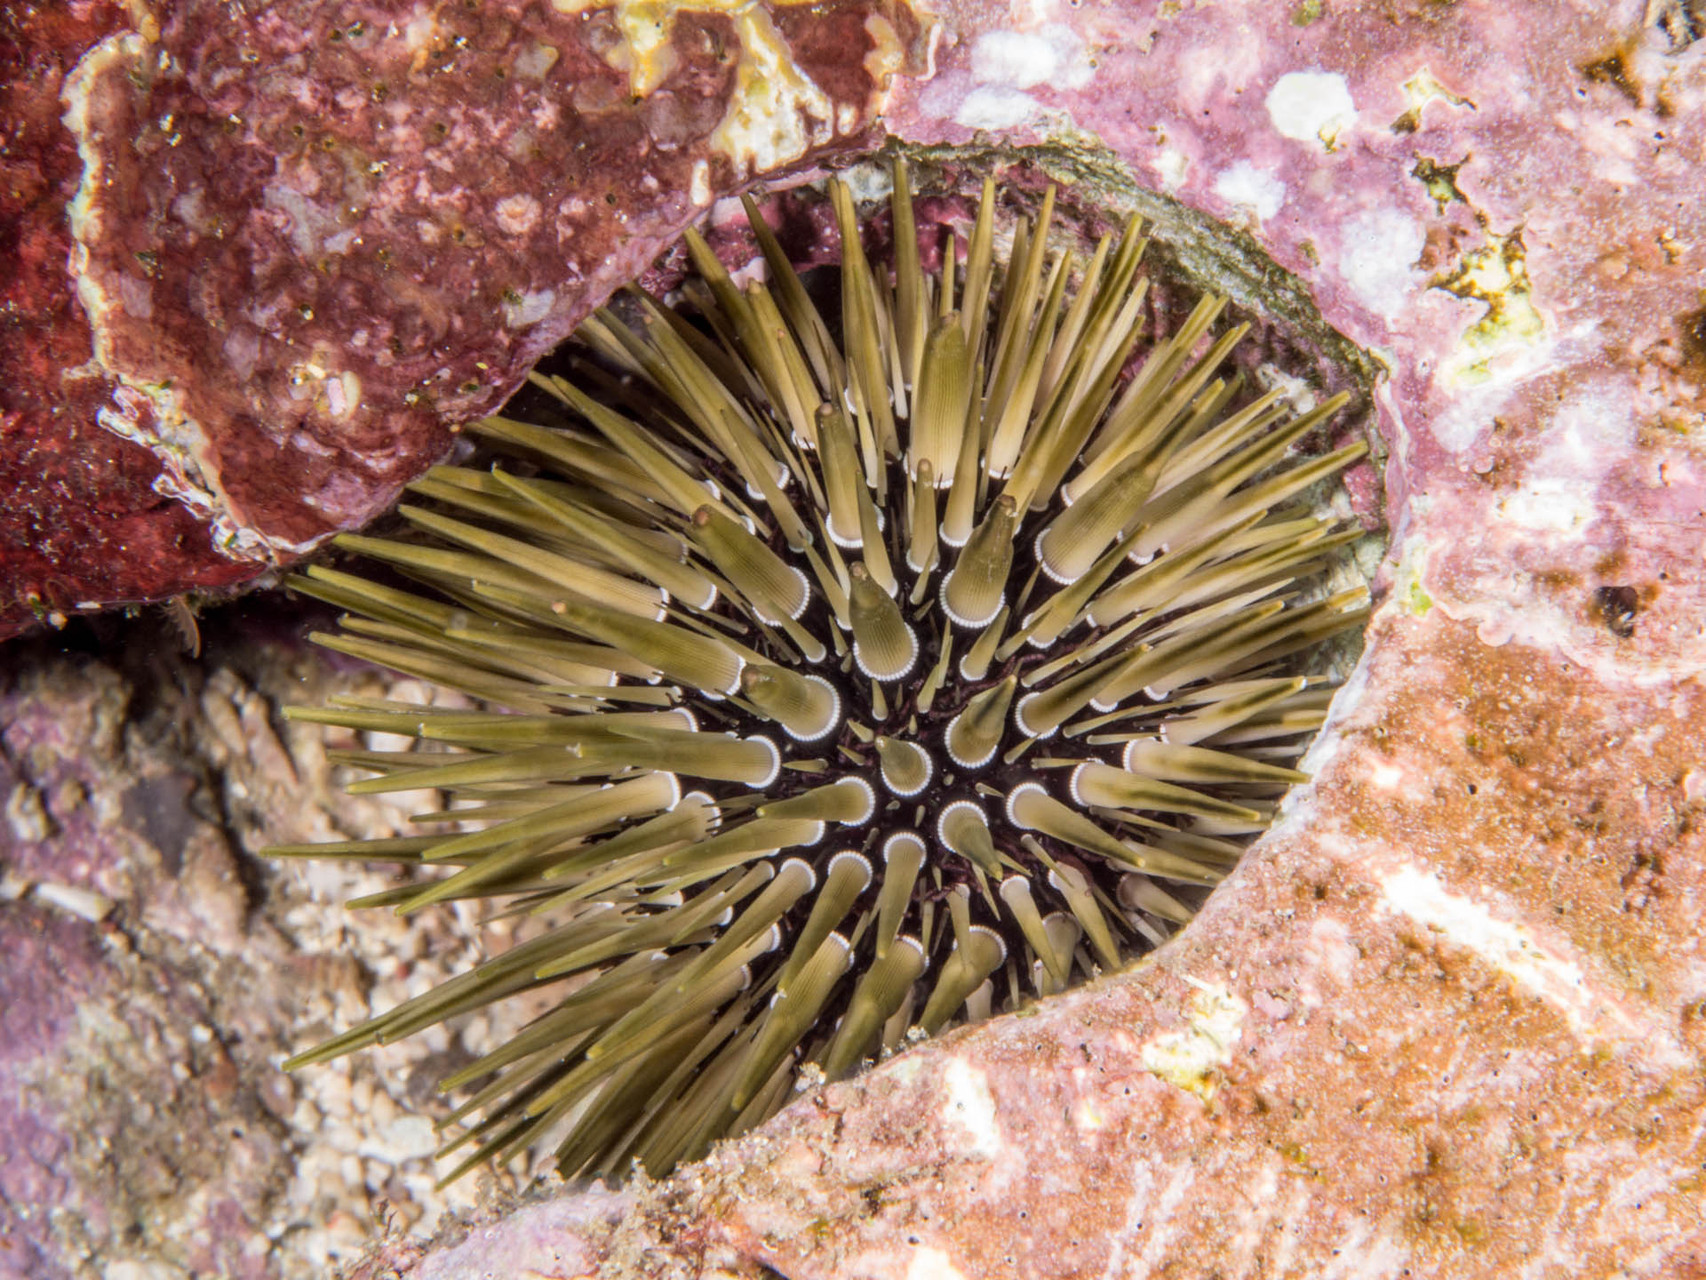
[88, 904]
[27, 816]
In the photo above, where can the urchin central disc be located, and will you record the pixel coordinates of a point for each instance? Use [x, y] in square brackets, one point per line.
[840, 688]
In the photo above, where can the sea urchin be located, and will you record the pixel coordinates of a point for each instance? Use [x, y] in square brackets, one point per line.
[851, 674]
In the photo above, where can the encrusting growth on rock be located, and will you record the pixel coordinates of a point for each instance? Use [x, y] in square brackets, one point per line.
[852, 675]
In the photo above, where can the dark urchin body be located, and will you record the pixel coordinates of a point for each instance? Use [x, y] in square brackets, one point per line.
[841, 689]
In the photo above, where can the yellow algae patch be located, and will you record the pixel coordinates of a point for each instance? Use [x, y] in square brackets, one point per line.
[1191, 1059]
[776, 111]
[888, 54]
[1419, 90]
[1512, 328]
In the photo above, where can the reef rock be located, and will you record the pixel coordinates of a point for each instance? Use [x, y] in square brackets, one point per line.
[269, 261]
[1449, 1017]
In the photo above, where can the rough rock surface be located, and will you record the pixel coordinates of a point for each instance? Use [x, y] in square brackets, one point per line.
[1449, 1019]
[156, 973]
[270, 259]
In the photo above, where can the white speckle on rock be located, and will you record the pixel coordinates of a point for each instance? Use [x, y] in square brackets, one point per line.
[1558, 493]
[1377, 258]
[971, 1107]
[700, 190]
[1172, 166]
[133, 1269]
[1087, 1117]
[404, 1138]
[136, 296]
[927, 1263]
[1244, 186]
[1296, 392]
[1551, 506]
[242, 347]
[536, 60]
[1054, 56]
[529, 308]
[991, 107]
[517, 214]
[1311, 106]
[1335, 958]
[343, 393]
[1190, 1058]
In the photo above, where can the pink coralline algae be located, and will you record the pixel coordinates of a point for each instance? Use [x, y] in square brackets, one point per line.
[278, 256]
[1449, 1017]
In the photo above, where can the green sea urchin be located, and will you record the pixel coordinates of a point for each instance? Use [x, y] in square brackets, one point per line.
[843, 688]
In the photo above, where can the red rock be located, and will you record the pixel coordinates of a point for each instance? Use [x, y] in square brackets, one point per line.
[81, 520]
[304, 244]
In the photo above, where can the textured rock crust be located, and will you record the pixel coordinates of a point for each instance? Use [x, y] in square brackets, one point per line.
[1449, 1018]
[304, 243]
[156, 973]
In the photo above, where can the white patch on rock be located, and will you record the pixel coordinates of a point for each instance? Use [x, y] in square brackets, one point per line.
[517, 214]
[1190, 1059]
[995, 108]
[1330, 944]
[1172, 166]
[343, 498]
[700, 189]
[136, 296]
[529, 308]
[971, 1107]
[1511, 949]
[867, 183]
[931, 1264]
[1244, 186]
[404, 1138]
[1377, 258]
[305, 221]
[1054, 56]
[1311, 106]
[1558, 494]
[1586, 429]
[1550, 506]
[536, 60]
